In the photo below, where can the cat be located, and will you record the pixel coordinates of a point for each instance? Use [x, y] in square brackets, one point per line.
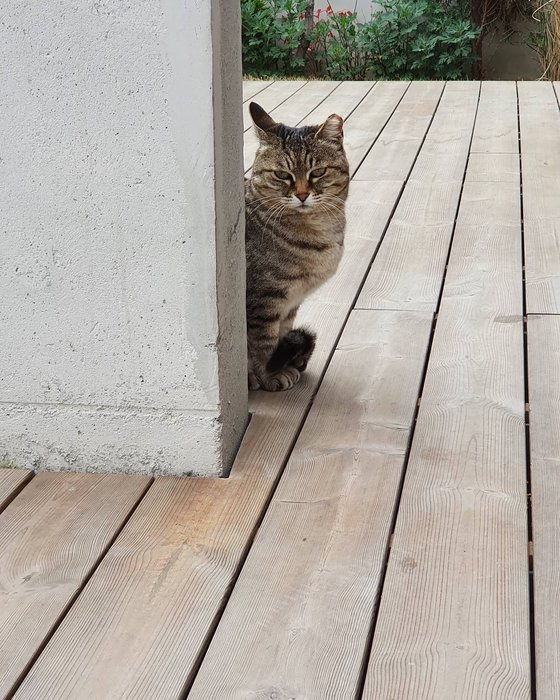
[295, 219]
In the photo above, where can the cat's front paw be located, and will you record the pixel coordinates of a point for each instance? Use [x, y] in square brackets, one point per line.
[283, 379]
[253, 381]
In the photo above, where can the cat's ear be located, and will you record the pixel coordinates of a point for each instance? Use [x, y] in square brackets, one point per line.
[331, 129]
[264, 123]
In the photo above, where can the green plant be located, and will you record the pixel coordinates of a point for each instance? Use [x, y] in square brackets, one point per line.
[406, 39]
[337, 45]
[272, 33]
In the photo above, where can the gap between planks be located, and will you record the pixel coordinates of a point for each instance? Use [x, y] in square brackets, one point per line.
[12, 481]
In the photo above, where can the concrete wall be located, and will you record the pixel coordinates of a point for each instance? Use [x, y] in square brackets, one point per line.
[122, 227]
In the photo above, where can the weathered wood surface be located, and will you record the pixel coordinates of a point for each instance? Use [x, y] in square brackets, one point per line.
[272, 97]
[543, 337]
[539, 118]
[401, 139]
[253, 87]
[11, 481]
[314, 570]
[407, 272]
[53, 534]
[454, 614]
[496, 120]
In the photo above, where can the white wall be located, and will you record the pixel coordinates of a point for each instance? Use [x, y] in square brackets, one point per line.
[364, 8]
[119, 233]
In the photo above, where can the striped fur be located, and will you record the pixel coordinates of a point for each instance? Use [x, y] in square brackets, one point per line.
[295, 223]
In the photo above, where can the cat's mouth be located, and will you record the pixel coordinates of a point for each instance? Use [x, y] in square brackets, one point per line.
[302, 205]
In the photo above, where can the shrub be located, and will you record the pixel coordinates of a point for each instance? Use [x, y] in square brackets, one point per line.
[406, 39]
[272, 32]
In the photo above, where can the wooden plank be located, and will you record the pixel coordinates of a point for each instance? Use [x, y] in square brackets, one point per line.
[254, 87]
[195, 532]
[53, 534]
[543, 339]
[540, 161]
[453, 619]
[291, 112]
[503, 167]
[11, 481]
[343, 100]
[402, 137]
[299, 616]
[274, 95]
[409, 267]
[496, 120]
[367, 121]
[443, 155]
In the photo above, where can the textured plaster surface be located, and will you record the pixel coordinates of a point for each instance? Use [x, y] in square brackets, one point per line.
[117, 235]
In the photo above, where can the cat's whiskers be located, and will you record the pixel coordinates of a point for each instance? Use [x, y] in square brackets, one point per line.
[273, 214]
[333, 198]
[279, 215]
[330, 208]
[261, 202]
[333, 218]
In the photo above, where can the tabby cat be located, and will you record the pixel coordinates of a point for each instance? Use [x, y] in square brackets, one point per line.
[295, 223]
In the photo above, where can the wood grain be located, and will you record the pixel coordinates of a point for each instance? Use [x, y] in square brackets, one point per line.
[496, 120]
[409, 267]
[343, 100]
[274, 95]
[298, 620]
[111, 628]
[368, 120]
[53, 534]
[454, 619]
[402, 137]
[443, 155]
[11, 480]
[254, 87]
[543, 338]
[540, 162]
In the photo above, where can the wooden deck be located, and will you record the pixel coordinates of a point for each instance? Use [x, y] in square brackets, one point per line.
[391, 527]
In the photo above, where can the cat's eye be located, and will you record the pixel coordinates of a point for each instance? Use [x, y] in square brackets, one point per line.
[318, 172]
[283, 175]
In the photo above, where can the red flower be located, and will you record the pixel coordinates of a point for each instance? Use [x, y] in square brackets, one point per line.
[329, 10]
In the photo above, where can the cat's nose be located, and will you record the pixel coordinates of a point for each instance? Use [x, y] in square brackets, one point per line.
[302, 196]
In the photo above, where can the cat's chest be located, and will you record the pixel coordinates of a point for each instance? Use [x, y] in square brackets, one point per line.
[317, 269]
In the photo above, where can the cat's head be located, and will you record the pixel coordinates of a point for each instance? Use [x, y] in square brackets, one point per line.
[303, 167]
